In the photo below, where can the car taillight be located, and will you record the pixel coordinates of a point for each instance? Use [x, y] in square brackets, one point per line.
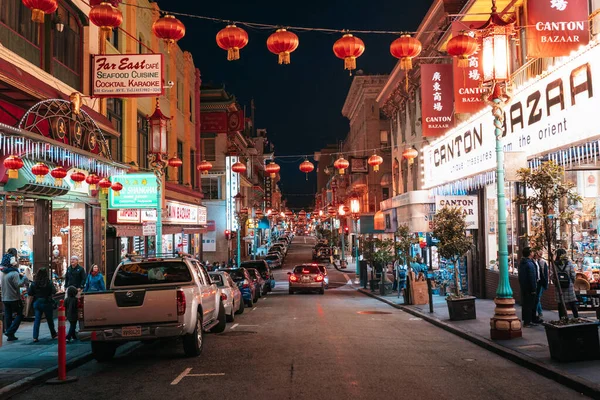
[180, 302]
[319, 278]
[293, 278]
[223, 296]
[80, 308]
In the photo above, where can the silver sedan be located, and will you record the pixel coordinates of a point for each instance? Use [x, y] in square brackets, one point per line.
[230, 294]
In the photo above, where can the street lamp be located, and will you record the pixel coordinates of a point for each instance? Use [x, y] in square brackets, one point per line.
[355, 211]
[240, 216]
[496, 76]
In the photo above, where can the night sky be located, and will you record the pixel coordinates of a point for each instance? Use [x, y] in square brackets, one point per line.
[299, 104]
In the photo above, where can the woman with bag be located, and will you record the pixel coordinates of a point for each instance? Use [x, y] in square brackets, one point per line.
[564, 281]
[95, 281]
[41, 290]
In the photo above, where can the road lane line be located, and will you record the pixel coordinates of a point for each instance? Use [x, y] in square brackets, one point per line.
[198, 375]
[254, 309]
[233, 326]
[181, 376]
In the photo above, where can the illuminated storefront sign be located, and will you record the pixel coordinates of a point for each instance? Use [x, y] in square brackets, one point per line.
[127, 75]
[437, 111]
[139, 191]
[468, 204]
[232, 189]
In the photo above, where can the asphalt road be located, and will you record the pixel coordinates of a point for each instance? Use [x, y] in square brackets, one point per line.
[310, 346]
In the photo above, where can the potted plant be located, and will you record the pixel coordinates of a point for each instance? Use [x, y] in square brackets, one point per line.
[569, 339]
[380, 253]
[450, 229]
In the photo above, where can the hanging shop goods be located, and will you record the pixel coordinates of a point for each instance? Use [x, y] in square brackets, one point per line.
[375, 161]
[410, 154]
[204, 167]
[169, 29]
[341, 164]
[116, 187]
[283, 42]
[232, 39]
[105, 184]
[77, 177]
[349, 48]
[40, 170]
[462, 46]
[405, 48]
[239, 168]
[13, 164]
[39, 8]
[272, 169]
[106, 17]
[92, 180]
[58, 173]
[175, 162]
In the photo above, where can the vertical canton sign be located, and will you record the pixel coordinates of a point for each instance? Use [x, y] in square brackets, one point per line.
[438, 108]
[127, 75]
[556, 27]
[139, 191]
[268, 192]
[467, 81]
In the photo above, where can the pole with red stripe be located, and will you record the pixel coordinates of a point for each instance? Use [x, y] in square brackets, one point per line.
[62, 349]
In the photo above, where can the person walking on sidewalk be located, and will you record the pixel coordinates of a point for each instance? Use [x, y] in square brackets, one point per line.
[11, 281]
[71, 312]
[527, 282]
[94, 281]
[75, 275]
[43, 304]
[566, 277]
[542, 284]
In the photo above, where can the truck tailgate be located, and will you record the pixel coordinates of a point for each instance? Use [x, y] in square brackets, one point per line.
[129, 307]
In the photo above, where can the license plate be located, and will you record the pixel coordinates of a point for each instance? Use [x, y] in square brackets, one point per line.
[305, 279]
[131, 331]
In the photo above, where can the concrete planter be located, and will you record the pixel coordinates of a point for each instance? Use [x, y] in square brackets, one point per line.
[461, 309]
[577, 342]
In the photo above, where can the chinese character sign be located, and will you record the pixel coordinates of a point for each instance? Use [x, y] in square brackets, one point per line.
[555, 28]
[467, 81]
[437, 99]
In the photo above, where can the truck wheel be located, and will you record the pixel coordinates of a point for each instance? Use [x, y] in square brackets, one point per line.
[241, 309]
[193, 342]
[231, 318]
[220, 327]
[103, 351]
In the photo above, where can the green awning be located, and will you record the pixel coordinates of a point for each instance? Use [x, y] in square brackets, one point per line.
[26, 182]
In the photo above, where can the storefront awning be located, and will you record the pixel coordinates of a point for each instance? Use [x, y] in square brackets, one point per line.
[26, 183]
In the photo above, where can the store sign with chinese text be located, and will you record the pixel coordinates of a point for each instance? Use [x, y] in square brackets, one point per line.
[437, 110]
[127, 75]
[268, 192]
[139, 191]
[468, 205]
[214, 122]
[555, 28]
[231, 190]
[202, 215]
[550, 114]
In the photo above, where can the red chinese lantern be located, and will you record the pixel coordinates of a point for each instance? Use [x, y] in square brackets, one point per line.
[92, 180]
[13, 164]
[107, 17]
[117, 187]
[405, 48]
[272, 169]
[58, 173]
[410, 154]
[259, 214]
[105, 184]
[77, 177]
[462, 46]
[39, 8]
[283, 42]
[307, 167]
[40, 170]
[169, 29]
[239, 168]
[232, 39]
[349, 48]
[204, 167]
[375, 161]
[175, 162]
[341, 164]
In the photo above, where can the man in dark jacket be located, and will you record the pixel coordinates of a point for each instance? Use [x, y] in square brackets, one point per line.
[11, 280]
[528, 284]
[542, 284]
[75, 275]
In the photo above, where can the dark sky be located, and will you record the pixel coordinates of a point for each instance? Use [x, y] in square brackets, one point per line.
[299, 104]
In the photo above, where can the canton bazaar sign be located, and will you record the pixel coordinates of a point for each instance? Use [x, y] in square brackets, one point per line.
[468, 205]
[549, 114]
[437, 111]
[127, 75]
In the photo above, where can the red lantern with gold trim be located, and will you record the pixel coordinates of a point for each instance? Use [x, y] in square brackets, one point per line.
[116, 187]
[92, 180]
[106, 17]
[169, 29]
[239, 168]
[232, 39]
[204, 167]
[39, 8]
[77, 177]
[405, 48]
[40, 170]
[410, 154]
[462, 46]
[349, 48]
[13, 164]
[283, 42]
[375, 161]
[58, 173]
[175, 162]
[341, 164]
[272, 169]
[307, 167]
[105, 184]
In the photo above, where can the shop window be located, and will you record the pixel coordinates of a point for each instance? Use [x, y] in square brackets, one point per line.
[18, 33]
[115, 115]
[180, 155]
[66, 50]
[142, 128]
[209, 150]
[211, 187]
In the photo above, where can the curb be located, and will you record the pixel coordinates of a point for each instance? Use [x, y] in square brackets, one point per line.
[564, 378]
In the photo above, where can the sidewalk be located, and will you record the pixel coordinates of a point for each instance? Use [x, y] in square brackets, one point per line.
[530, 351]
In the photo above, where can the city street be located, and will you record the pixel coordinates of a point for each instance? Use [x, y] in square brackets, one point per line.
[339, 345]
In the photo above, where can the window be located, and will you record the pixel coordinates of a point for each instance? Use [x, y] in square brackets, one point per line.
[180, 155]
[211, 187]
[18, 33]
[191, 108]
[152, 273]
[66, 50]
[193, 169]
[113, 38]
[115, 115]
[209, 150]
[385, 193]
[142, 128]
[179, 94]
[141, 48]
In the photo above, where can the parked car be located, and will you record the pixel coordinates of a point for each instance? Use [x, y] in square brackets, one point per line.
[265, 271]
[279, 245]
[278, 252]
[245, 283]
[323, 270]
[274, 260]
[306, 277]
[230, 294]
[153, 298]
[321, 253]
[258, 279]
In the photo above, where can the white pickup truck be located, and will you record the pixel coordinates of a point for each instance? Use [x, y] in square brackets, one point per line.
[153, 298]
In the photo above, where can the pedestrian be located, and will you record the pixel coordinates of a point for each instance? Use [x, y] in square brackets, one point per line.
[41, 290]
[71, 312]
[401, 278]
[564, 282]
[542, 283]
[527, 282]
[75, 275]
[94, 281]
[11, 281]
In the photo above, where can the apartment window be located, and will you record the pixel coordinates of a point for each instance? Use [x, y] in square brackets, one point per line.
[66, 50]
[209, 150]
[180, 155]
[141, 48]
[142, 129]
[211, 187]
[191, 109]
[18, 33]
[115, 115]
[113, 38]
[385, 193]
[193, 168]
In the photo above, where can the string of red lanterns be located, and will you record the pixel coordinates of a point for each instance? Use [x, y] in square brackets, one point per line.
[462, 46]
[232, 39]
[272, 169]
[169, 29]
[341, 164]
[204, 167]
[375, 161]
[39, 8]
[106, 17]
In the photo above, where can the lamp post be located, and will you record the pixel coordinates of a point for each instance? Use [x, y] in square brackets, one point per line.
[496, 76]
[355, 211]
[241, 218]
[342, 213]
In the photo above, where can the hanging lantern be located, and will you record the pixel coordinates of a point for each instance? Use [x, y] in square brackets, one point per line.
[92, 180]
[106, 17]
[13, 164]
[307, 167]
[175, 162]
[272, 169]
[77, 177]
[204, 167]
[40, 170]
[244, 211]
[117, 187]
[259, 213]
[462, 46]
[39, 8]
[105, 184]
[349, 48]
[283, 42]
[169, 29]
[58, 173]
[375, 161]
[239, 168]
[405, 48]
[410, 154]
[232, 39]
[341, 164]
